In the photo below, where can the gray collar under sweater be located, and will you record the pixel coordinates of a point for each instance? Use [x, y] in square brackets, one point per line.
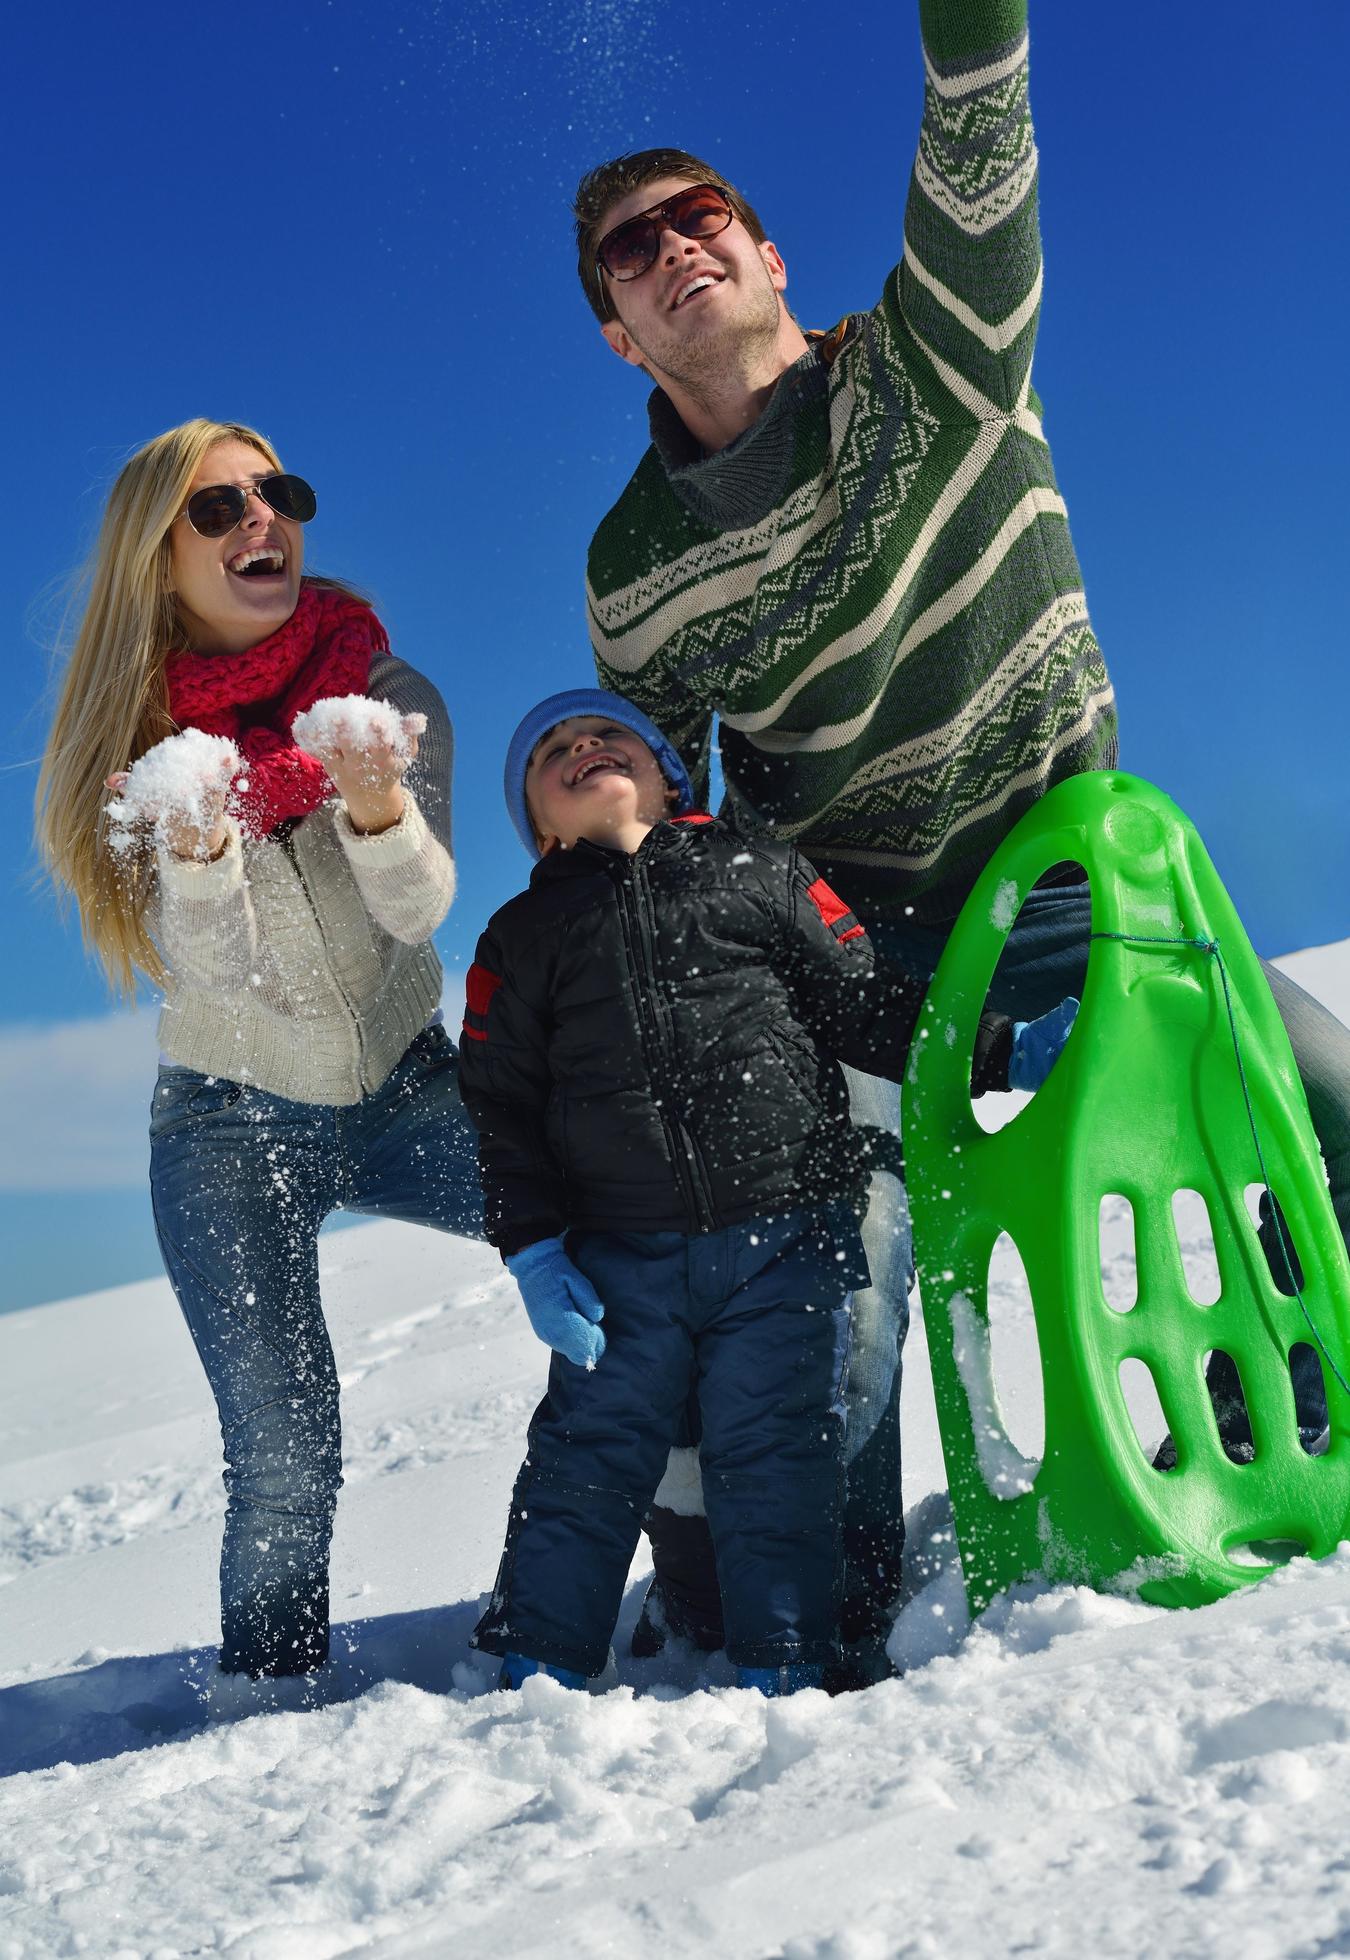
[739, 485]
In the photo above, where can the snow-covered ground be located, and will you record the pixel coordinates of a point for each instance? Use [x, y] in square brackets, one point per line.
[1074, 1774]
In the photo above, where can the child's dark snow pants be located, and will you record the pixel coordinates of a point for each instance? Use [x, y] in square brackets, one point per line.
[755, 1317]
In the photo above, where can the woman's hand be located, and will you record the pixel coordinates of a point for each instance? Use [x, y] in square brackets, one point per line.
[367, 773]
[366, 746]
[185, 839]
[179, 789]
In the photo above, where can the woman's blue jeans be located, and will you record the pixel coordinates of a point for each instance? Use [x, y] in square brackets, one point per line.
[1044, 959]
[241, 1181]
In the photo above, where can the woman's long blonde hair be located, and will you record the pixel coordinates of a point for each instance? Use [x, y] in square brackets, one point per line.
[114, 701]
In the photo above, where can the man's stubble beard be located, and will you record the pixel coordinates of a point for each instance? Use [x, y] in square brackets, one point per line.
[706, 364]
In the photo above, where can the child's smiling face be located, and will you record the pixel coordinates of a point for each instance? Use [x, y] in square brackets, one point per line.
[593, 778]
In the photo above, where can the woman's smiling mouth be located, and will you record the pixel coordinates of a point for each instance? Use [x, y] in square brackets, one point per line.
[258, 561]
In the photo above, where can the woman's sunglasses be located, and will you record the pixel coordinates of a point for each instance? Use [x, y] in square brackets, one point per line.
[215, 511]
[632, 247]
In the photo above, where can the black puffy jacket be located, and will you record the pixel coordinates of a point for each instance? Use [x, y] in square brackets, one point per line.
[651, 1042]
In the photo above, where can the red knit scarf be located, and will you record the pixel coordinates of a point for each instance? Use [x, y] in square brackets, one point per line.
[325, 648]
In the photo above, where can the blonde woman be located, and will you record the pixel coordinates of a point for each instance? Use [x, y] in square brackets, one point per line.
[284, 898]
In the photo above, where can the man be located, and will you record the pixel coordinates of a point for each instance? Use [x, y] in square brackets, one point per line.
[851, 548]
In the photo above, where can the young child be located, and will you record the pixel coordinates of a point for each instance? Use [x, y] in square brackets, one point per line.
[650, 1056]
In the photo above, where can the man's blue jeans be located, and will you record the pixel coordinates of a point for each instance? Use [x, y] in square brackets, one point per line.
[241, 1182]
[1044, 959]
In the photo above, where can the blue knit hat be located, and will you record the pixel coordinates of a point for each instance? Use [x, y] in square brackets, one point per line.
[562, 707]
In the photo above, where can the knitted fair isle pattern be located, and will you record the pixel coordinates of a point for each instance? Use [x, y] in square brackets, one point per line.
[897, 643]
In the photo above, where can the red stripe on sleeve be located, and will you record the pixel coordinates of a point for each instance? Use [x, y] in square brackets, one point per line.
[832, 909]
[829, 905]
[480, 984]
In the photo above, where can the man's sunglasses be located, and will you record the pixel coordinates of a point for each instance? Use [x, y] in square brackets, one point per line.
[215, 511]
[632, 247]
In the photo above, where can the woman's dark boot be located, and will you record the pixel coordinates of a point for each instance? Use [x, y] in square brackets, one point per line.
[683, 1601]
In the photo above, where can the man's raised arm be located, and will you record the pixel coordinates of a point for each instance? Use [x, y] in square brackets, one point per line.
[969, 285]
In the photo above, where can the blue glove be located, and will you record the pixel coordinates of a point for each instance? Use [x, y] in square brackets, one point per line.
[1037, 1044]
[562, 1304]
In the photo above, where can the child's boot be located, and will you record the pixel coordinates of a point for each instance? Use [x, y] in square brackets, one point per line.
[518, 1667]
[774, 1681]
[859, 1665]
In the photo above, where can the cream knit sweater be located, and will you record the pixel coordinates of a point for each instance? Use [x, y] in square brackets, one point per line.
[301, 963]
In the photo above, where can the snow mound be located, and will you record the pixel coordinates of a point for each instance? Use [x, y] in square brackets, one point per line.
[1080, 1774]
[1073, 1773]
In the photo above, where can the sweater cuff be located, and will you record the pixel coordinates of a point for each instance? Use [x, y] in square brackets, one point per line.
[381, 850]
[199, 878]
[993, 1054]
[956, 30]
[508, 1239]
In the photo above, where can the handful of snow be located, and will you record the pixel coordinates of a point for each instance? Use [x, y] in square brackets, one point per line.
[354, 721]
[183, 779]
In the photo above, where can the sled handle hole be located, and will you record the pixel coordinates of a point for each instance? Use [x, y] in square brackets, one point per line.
[1266, 1553]
[1117, 1253]
[1228, 1402]
[985, 1365]
[1267, 1215]
[1015, 1351]
[1309, 1384]
[1195, 1246]
[1007, 993]
[1143, 1405]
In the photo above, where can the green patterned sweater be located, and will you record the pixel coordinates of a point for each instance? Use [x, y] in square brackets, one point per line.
[874, 587]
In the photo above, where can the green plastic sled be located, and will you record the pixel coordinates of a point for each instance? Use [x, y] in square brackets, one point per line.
[1146, 1100]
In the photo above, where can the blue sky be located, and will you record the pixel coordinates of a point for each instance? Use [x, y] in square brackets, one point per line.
[350, 229]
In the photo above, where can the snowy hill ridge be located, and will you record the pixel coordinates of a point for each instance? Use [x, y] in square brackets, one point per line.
[1073, 1773]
